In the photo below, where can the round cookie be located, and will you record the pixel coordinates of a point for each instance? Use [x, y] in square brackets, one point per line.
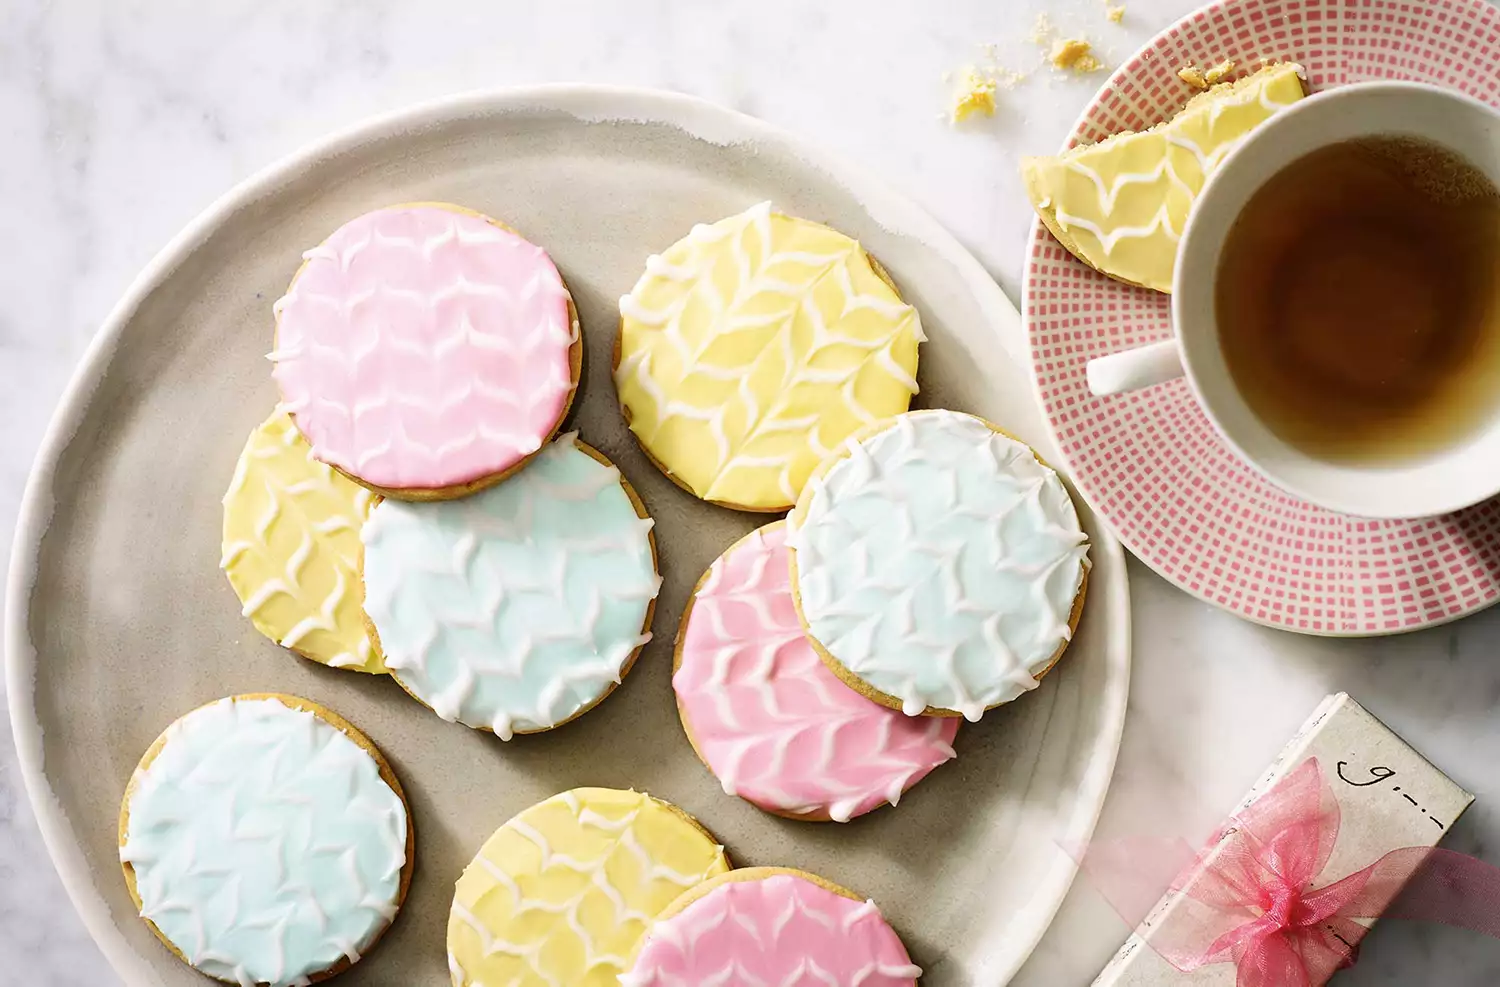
[752, 347]
[759, 926]
[520, 608]
[938, 564]
[291, 548]
[770, 720]
[427, 351]
[562, 893]
[266, 841]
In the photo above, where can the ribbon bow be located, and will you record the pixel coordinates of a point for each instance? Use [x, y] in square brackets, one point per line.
[1250, 898]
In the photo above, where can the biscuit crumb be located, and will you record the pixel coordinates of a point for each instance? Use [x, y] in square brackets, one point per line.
[1042, 30]
[1005, 78]
[977, 87]
[975, 94]
[1219, 72]
[1074, 54]
[1199, 79]
[1064, 54]
[1193, 76]
[1115, 13]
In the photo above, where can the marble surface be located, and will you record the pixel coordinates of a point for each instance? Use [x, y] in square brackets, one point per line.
[127, 117]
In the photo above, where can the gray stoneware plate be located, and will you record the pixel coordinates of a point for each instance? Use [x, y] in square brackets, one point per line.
[119, 620]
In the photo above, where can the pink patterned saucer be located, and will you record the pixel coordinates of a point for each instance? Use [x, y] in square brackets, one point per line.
[1149, 462]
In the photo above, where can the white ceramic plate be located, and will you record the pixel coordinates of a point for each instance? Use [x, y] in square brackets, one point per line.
[119, 620]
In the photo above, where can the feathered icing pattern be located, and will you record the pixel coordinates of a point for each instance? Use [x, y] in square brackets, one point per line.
[939, 562]
[773, 723]
[424, 347]
[561, 893]
[517, 607]
[265, 845]
[291, 548]
[777, 931]
[753, 346]
[1125, 201]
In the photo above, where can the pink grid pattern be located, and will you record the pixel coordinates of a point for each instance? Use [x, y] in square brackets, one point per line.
[1149, 462]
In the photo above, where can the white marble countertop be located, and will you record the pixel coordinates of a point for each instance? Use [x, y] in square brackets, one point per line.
[124, 118]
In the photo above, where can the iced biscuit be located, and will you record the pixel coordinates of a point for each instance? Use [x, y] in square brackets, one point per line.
[427, 351]
[752, 347]
[770, 720]
[521, 607]
[938, 564]
[266, 841]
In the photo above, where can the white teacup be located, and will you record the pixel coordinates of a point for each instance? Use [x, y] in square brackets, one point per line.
[1450, 478]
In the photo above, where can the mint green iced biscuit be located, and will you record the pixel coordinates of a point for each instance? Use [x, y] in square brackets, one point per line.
[265, 841]
[938, 564]
[520, 607]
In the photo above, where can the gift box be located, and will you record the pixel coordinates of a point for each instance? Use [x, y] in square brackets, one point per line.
[1285, 891]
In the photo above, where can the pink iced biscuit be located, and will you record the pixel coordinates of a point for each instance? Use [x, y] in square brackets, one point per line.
[421, 348]
[769, 718]
[762, 926]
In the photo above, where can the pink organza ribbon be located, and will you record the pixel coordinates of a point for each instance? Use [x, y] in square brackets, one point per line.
[1249, 899]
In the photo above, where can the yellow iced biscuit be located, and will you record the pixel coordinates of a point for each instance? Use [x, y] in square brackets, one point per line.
[562, 893]
[752, 347]
[291, 548]
[1120, 205]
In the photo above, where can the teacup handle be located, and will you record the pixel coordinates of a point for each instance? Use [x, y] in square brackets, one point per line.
[1131, 370]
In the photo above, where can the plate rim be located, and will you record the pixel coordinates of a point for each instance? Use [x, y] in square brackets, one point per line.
[592, 104]
[1038, 231]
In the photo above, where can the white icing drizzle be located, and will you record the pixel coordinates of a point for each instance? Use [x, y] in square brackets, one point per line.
[1107, 240]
